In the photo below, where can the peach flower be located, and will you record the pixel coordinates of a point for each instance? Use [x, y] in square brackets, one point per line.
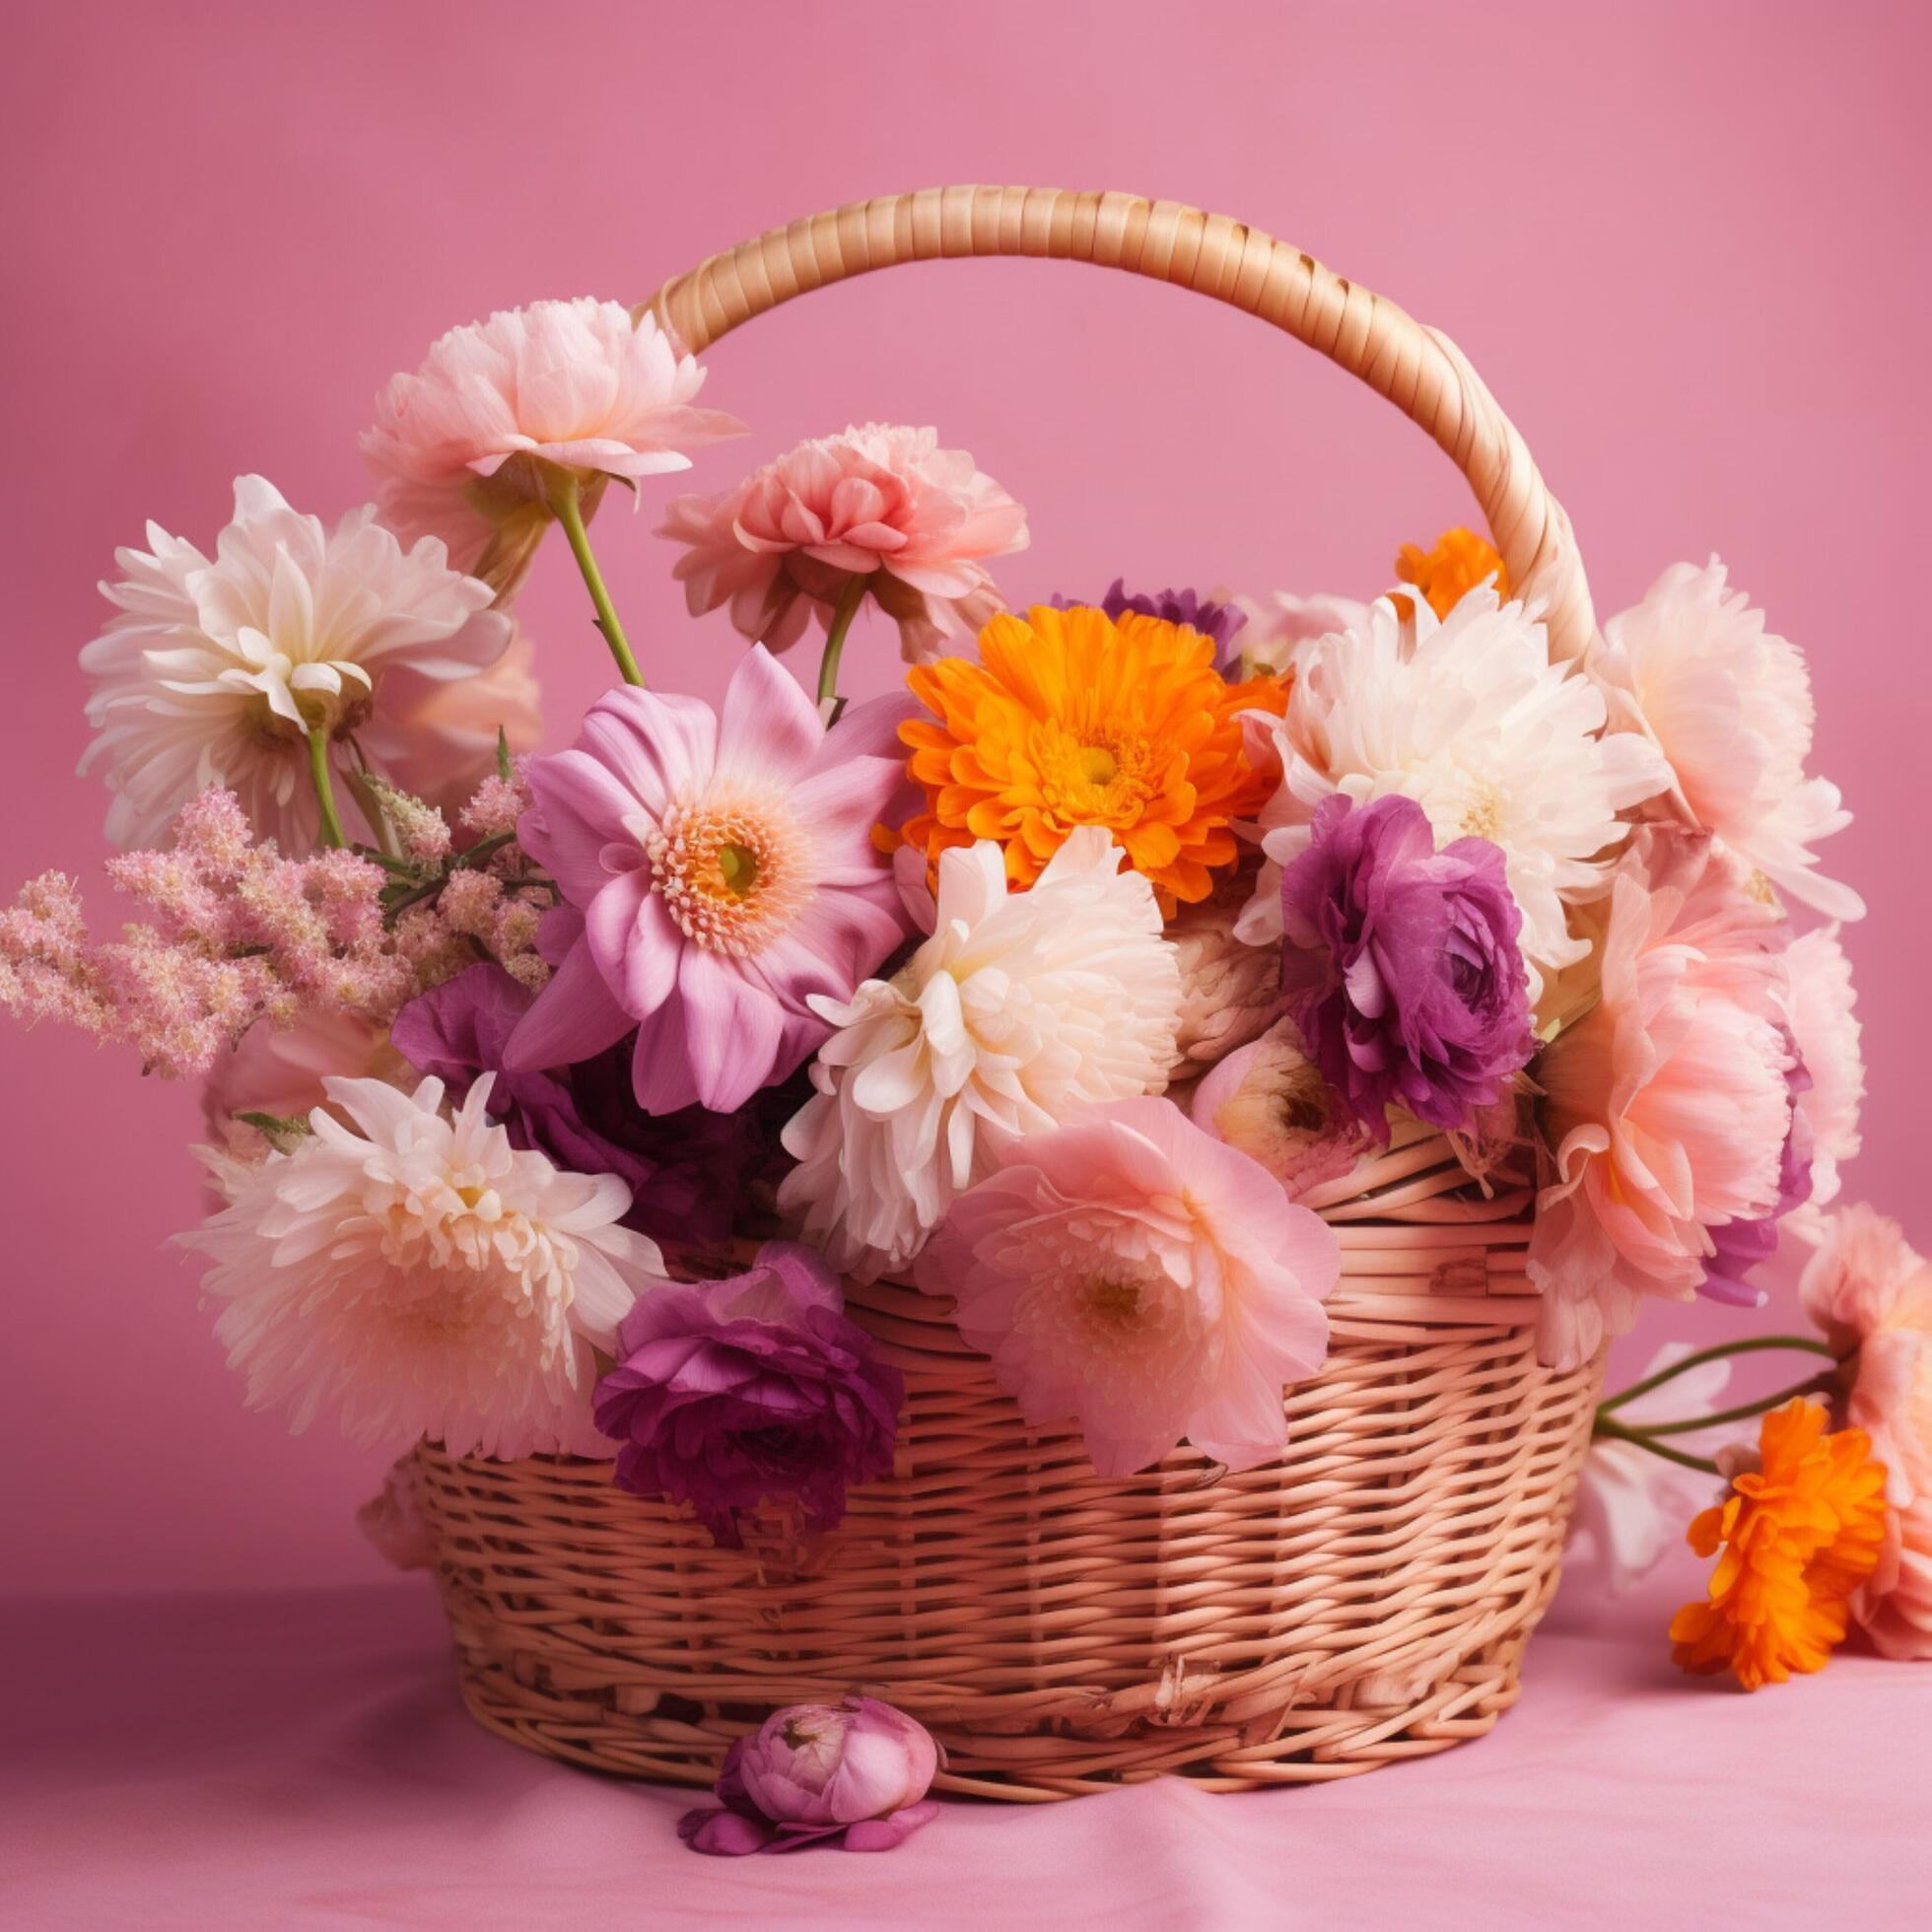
[881, 501]
[1130, 1272]
[1729, 703]
[281, 1071]
[442, 747]
[1268, 1099]
[1668, 1104]
[469, 447]
[1865, 1288]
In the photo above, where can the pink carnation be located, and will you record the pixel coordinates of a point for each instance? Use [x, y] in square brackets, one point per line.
[1867, 1289]
[719, 874]
[467, 448]
[1130, 1272]
[1729, 703]
[1667, 1106]
[880, 501]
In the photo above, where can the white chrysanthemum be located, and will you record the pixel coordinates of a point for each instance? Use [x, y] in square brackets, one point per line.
[1469, 717]
[1021, 1007]
[1729, 703]
[214, 673]
[422, 1276]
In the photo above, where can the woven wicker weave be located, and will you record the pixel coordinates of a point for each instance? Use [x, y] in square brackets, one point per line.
[1363, 1599]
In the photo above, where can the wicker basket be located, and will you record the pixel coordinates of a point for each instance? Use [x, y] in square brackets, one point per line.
[1363, 1599]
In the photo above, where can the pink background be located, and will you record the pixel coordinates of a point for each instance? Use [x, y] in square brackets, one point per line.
[1685, 245]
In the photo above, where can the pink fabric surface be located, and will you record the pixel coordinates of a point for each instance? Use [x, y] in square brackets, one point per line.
[301, 1759]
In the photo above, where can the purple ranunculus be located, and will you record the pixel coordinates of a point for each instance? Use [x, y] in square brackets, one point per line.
[1218, 621]
[755, 1388]
[1739, 1247]
[856, 1772]
[687, 1172]
[1402, 965]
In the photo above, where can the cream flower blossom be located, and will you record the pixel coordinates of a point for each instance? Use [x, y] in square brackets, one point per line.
[1021, 1009]
[419, 1276]
[1469, 717]
[469, 448]
[1730, 704]
[215, 672]
[1631, 1506]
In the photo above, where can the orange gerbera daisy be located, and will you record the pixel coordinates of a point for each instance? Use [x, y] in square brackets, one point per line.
[1460, 561]
[1073, 718]
[1799, 1535]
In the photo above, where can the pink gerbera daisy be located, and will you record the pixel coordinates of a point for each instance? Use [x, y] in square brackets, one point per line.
[719, 872]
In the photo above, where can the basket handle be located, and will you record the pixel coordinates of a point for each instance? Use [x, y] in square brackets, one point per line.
[1419, 370]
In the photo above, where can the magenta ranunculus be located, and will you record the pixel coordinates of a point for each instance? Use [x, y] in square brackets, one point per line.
[690, 1173]
[857, 1772]
[1402, 965]
[753, 1389]
[719, 873]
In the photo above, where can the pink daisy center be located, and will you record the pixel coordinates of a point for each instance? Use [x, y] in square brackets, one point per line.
[733, 867]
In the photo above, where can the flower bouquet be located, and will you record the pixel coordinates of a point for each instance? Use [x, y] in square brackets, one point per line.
[1082, 1199]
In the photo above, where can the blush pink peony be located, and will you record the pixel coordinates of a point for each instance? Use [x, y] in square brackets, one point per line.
[1825, 1029]
[1866, 1289]
[719, 874]
[1729, 703]
[469, 448]
[1667, 1106]
[1131, 1274]
[881, 501]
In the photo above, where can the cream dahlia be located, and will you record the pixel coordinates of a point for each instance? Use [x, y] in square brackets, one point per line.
[1130, 1272]
[1668, 1105]
[1021, 1009]
[1469, 717]
[470, 447]
[1730, 704]
[216, 672]
[420, 1277]
[882, 502]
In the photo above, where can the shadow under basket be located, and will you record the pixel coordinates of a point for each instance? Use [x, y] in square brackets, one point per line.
[1363, 1599]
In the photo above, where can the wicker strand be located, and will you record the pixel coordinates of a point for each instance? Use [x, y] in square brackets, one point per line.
[1417, 369]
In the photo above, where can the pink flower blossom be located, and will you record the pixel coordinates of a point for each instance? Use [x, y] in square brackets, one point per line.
[1667, 1106]
[1270, 1100]
[469, 448]
[1826, 1032]
[1275, 627]
[441, 743]
[1867, 1289]
[1729, 703]
[881, 501]
[281, 1070]
[1130, 1272]
[719, 873]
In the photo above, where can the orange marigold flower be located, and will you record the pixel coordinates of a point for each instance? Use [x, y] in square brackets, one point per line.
[1799, 1535]
[1073, 718]
[1460, 561]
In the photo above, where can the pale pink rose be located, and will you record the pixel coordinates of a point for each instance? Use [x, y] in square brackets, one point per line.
[1729, 703]
[1280, 624]
[1268, 1099]
[1667, 1106]
[1867, 1289]
[280, 1069]
[443, 747]
[1130, 1274]
[469, 448]
[1826, 1032]
[1631, 1506]
[882, 502]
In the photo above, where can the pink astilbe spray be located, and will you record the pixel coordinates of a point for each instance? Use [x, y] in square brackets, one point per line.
[239, 933]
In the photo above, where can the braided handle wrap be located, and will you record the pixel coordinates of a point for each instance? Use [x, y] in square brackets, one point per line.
[1421, 371]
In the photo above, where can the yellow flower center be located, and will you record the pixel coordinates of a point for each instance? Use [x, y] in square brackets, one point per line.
[732, 866]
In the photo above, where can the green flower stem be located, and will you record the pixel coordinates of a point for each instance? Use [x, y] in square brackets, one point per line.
[565, 501]
[1617, 1432]
[325, 789]
[847, 608]
[1743, 1412]
[1749, 1345]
